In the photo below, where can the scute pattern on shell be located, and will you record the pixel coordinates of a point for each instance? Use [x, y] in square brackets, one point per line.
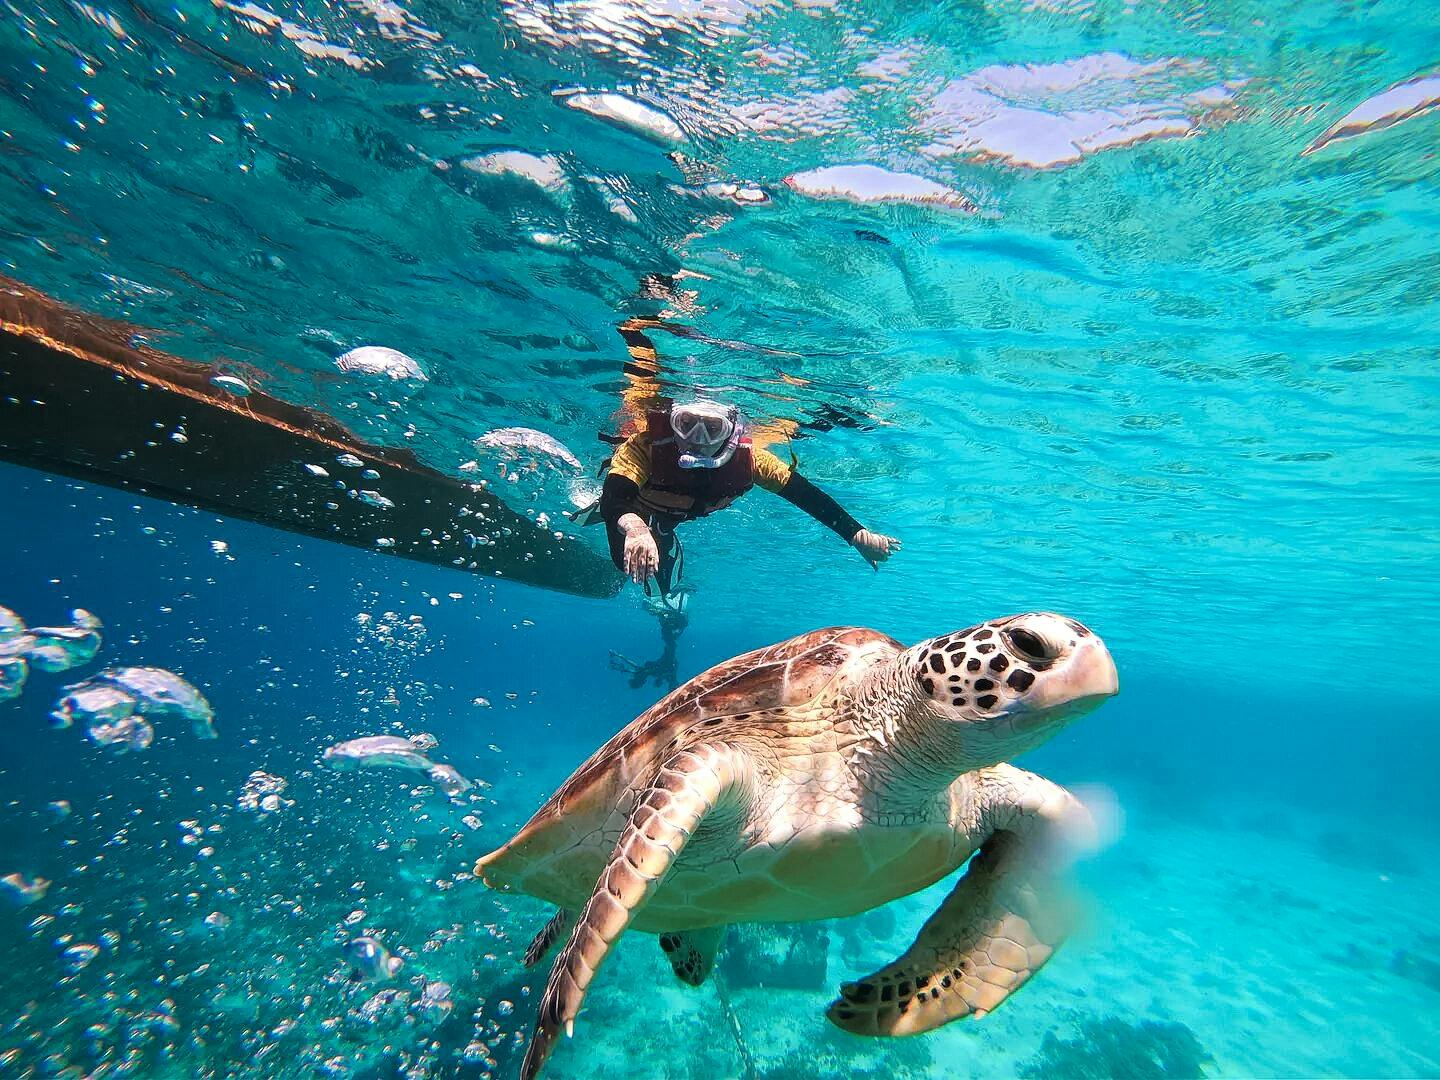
[788, 673]
[784, 674]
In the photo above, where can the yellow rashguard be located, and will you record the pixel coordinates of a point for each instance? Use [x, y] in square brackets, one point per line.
[632, 461]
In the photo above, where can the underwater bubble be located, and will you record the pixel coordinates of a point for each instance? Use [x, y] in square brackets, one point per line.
[1403, 101]
[625, 112]
[517, 439]
[742, 194]
[316, 470]
[375, 499]
[130, 733]
[158, 1021]
[22, 890]
[369, 957]
[164, 695]
[60, 648]
[1091, 104]
[264, 793]
[231, 385]
[449, 780]
[11, 625]
[14, 670]
[872, 184]
[385, 1007]
[58, 809]
[217, 920]
[350, 461]
[78, 957]
[91, 702]
[434, 1003]
[543, 170]
[378, 360]
[376, 752]
[476, 1053]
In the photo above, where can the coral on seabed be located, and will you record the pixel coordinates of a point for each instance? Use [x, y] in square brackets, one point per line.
[1421, 964]
[1109, 1048]
[789, 956]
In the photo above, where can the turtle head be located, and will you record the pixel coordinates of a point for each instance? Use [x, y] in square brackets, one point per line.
[1006, 686]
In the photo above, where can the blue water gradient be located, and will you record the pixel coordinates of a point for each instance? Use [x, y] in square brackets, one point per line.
[1139, 324]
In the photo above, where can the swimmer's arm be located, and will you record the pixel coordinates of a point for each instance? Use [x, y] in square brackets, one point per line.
[774, 475]
[621, 511]
[620, 496]
[820, 506]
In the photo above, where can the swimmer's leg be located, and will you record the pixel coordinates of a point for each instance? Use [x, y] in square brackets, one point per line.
[669, 545]
[621, 662]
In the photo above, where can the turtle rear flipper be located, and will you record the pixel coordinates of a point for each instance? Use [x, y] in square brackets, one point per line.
[692, 952]
[1004, 919]
[548, 937]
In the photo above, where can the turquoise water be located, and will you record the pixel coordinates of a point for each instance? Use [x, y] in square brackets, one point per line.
[1139, 323]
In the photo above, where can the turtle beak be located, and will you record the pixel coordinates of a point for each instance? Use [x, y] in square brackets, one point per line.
[1086, 679]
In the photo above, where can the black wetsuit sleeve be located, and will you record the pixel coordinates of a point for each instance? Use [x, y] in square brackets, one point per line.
[802, 493]
[619, 496]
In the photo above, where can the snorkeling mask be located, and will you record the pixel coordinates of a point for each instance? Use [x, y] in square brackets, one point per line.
[708, 433]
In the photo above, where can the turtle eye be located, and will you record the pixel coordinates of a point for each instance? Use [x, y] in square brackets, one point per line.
[1030, 645]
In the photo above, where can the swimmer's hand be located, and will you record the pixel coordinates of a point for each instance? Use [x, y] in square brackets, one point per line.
[642, 554]
[874, 547]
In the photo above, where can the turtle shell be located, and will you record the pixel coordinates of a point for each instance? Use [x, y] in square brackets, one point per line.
[779, 676]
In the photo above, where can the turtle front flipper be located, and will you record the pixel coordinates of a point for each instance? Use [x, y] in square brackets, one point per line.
[1004, 919]
[692, 952]
[665, 817]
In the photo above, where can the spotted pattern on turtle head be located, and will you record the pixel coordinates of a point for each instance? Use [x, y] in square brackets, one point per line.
[993, 666]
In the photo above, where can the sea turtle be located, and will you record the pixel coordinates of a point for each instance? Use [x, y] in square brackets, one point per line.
[814, 779]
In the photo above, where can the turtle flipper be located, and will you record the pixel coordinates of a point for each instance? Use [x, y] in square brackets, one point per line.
[692, 952]
[1006, 916]
[686, 788]
[547, 938]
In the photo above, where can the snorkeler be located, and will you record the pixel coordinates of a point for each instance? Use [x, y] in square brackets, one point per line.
[677, 462]
[687, 462]
[664, 670]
